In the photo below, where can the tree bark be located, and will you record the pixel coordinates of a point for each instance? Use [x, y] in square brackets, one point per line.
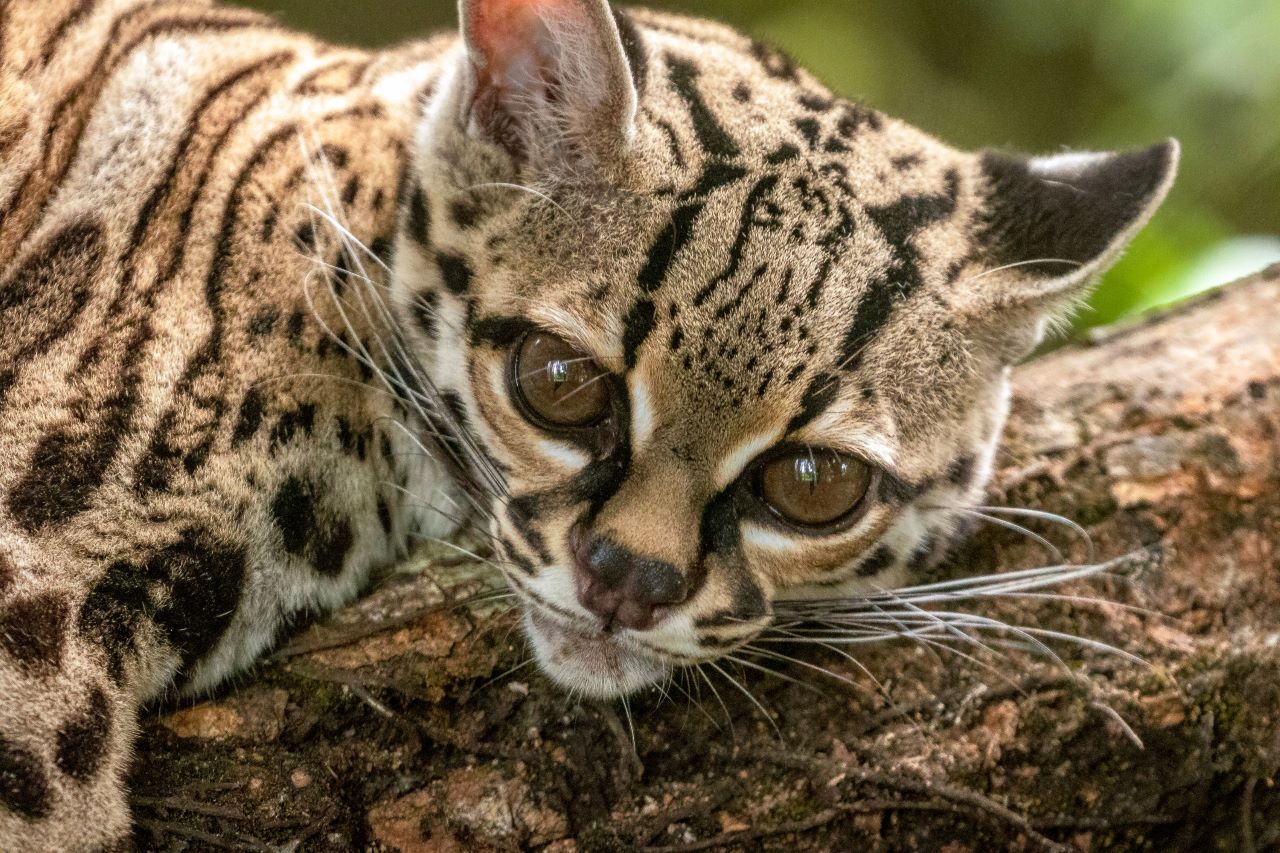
[412, 721]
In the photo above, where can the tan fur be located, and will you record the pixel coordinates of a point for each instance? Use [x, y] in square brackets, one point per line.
[244, 283]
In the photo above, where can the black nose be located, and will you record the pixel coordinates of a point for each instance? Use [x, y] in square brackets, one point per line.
[623, 588]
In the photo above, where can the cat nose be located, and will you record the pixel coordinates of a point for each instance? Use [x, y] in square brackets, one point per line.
[623, 588]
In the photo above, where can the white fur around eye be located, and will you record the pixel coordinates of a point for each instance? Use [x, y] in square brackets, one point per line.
[564, 455]
[772, 541]
[741, 456]
[642, 418]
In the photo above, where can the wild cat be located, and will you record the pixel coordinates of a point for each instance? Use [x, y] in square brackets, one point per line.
[683, 332]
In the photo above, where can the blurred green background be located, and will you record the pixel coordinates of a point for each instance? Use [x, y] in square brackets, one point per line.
[1033, 75]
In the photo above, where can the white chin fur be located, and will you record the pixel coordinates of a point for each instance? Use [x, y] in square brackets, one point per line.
[599, 667]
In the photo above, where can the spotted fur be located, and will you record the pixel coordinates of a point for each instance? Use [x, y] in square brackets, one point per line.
[258, 294]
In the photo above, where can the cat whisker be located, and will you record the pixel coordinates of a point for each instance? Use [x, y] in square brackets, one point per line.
[1017, 264]
[742, 688]
[530, 190]
[1053, 550]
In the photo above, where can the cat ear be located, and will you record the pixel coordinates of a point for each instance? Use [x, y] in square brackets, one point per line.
[547, 79]
[1052, 224]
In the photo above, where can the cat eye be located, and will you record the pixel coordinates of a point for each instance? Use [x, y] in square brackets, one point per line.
[557, 385]
[813, 488]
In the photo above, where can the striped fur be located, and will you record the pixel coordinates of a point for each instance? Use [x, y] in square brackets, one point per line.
[257, 292]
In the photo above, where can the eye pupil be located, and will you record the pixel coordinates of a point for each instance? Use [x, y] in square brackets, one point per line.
[813, 488]
[559, 372]
[556, 385]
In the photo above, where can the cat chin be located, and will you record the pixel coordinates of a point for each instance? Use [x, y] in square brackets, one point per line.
[599, 665]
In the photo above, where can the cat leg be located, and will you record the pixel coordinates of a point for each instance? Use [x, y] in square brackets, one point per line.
[66, 727]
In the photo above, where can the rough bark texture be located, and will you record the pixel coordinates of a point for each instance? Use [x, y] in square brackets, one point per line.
[399, 724]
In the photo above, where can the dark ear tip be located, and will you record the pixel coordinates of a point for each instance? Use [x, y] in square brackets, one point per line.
[1151, 170]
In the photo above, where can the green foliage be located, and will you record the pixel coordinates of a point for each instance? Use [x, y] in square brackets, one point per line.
[1031, 76]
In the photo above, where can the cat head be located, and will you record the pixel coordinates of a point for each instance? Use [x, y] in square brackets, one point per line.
[709, 336]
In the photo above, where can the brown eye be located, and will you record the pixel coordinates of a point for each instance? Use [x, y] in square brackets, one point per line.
[558, 384]
[814, 488]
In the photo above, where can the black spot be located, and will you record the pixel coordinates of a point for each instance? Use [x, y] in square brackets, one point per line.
[331, 547]
[880, 559]
[636, 329]
[905, 162]
[350, 191]
[419, 217]
[250, 418]
[346, 436]
[424, 312]
[304, 236]
[336, 155]
[1257, 391]
[817, 103]
[383, 249]
[82, 740]
[384, 516]
[677, 339]
[24, 788]
[293, 509]
[784, 153]
[749, 602]
[712, 137]
[456, 273]
[262, 323]
[521, 511]
[962, 470]
[465, 213]
[923, 555]
[719, 531]
[853, 117]
[269, 223]
[33, 631]
[742, 93]
[190, 590]
[810, 129]
[297, 320]
[775, 62]
[301, 419]
[8, 573]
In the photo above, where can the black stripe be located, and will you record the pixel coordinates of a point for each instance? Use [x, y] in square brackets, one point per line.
[879, 560]
[636, 329]
[750, 208]
[713, 138]
[679, 230]
[81, 10]
[898, 222]
[498, 331]
[817, 398]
